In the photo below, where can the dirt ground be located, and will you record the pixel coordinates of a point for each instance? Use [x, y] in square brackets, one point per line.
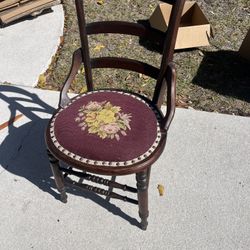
[212, 78]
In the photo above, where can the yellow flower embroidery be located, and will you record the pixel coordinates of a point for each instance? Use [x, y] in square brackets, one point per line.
[103, 119]
[106, 116]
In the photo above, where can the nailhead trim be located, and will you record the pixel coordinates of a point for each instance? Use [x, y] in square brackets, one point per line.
[106, 163]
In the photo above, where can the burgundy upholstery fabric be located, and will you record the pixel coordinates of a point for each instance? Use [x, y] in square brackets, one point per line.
[135, 142]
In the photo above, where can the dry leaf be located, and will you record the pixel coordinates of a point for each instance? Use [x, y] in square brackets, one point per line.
[83, 89]
[160, 189]
[100, 2]
[98, 47]
[82, 70]
[41, 81]
[181, 104]
[61, 39]
[201, 53]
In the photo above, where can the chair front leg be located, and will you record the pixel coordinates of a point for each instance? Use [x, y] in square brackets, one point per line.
[148, 175]
[142, 179]
[59, 180]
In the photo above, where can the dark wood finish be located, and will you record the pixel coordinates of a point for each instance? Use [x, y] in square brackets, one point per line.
[125, 63]
[148, 175]
[76, 63]
[168, 1]
[99, 180]
[165, 83]
[59, 180]
[113, 178]
[171, 95]
[84, 43]
[142, 186]
[127, 28]
[101, 191]
[168, 50]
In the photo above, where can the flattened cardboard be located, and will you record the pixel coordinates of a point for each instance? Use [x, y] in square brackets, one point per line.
[194, 30]
[8, 4]
[244, 50]
[26, 7]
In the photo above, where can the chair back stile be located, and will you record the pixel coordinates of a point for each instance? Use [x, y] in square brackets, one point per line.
[168, 48]
[84, 43]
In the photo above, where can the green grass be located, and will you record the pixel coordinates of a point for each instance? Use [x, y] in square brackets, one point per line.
[210, 78]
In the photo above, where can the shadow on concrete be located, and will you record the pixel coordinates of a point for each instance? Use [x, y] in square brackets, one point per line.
[226, 73]
[23, 151]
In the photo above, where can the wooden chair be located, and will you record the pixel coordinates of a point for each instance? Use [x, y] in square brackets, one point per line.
[113, 132]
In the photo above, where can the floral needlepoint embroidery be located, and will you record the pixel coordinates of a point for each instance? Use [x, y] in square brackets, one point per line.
[103, 119]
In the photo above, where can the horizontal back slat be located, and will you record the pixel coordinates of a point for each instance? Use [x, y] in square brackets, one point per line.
[125, 63]
[166, 42]
[168, 1]
[127, 28]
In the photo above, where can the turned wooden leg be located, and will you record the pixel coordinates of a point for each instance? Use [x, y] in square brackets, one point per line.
[142, 179]
[54, 164]
[148, 175]
[110, 188]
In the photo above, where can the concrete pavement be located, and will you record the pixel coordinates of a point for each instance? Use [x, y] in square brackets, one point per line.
[27, 47]
[204, 168]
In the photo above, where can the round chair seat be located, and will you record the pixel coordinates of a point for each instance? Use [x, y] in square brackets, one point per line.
[106, 128]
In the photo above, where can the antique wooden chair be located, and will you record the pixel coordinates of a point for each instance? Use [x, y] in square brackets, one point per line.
[113, 132]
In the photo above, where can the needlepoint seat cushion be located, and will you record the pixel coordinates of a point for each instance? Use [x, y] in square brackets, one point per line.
[105, 127]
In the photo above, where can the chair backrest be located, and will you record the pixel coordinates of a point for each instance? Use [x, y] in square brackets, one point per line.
[143, 31]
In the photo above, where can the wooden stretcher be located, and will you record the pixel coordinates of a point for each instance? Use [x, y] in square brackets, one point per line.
[11, 10]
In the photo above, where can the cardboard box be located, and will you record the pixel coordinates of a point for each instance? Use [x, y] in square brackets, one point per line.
[244, 50]
[194, 30]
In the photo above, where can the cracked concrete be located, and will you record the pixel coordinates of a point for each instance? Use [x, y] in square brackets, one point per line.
[204, 169]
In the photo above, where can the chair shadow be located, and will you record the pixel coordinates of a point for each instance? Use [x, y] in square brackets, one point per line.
[222, 71]
[23, 151]
[154, 45]
[226, 73]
